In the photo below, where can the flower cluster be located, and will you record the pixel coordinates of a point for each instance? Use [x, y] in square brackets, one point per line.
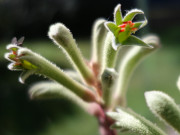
[123, 27]
[15, 57]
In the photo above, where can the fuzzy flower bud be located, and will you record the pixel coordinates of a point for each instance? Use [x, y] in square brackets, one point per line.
[164, 107]
[62, 37]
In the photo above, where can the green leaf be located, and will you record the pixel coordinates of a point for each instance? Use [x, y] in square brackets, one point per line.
[164, 107]
[133, 40]
[129, 120]
[131, 14]
[117, 15]
[111, 27]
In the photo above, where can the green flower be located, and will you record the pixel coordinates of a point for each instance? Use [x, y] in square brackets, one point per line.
[15, 57]
[123, 27]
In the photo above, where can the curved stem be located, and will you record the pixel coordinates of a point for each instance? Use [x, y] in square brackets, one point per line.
[109, 55]
[62, 37]
[44, 67]
[104, 121]
[126, 67]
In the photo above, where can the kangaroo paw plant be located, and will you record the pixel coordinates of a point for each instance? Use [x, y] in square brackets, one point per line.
[99, 85]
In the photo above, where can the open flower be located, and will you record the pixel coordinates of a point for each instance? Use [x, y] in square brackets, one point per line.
[123, 27]
[15, 57]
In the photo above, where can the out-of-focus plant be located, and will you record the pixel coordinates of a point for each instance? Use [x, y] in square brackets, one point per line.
[99, 85]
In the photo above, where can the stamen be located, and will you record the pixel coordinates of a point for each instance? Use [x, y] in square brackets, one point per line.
[122, 30]
[122, 26]
[134, 29]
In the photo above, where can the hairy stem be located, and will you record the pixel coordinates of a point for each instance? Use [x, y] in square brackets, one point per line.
[126, 67]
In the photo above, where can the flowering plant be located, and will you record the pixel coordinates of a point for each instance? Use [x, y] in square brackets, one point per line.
[99, 85]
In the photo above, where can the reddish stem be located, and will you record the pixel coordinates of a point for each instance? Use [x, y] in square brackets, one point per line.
[98, 110]
[104, 126]
[95, 68]
[104, 122]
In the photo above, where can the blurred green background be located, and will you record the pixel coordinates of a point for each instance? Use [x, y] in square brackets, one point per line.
[30, 18]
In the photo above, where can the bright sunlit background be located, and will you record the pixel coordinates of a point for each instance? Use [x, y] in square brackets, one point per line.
[31, 18]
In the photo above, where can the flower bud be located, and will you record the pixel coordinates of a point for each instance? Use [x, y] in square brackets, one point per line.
[62, 37]
[164, 107]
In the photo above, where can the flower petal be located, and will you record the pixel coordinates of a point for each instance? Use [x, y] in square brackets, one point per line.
[117, 15]
[131, 14]
[111, 26]
[140, 24]
[133, 40]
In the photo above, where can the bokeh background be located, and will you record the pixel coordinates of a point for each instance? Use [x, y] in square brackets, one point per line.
[19, 115]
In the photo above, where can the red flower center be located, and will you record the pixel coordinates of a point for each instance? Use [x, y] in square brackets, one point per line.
[123, 26]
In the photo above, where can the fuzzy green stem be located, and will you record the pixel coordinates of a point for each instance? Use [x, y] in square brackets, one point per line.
[108, 79]
[53, 90]
[62, 36]
[126, 67]
[109, 55]
[98, 37]
[50, 70]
